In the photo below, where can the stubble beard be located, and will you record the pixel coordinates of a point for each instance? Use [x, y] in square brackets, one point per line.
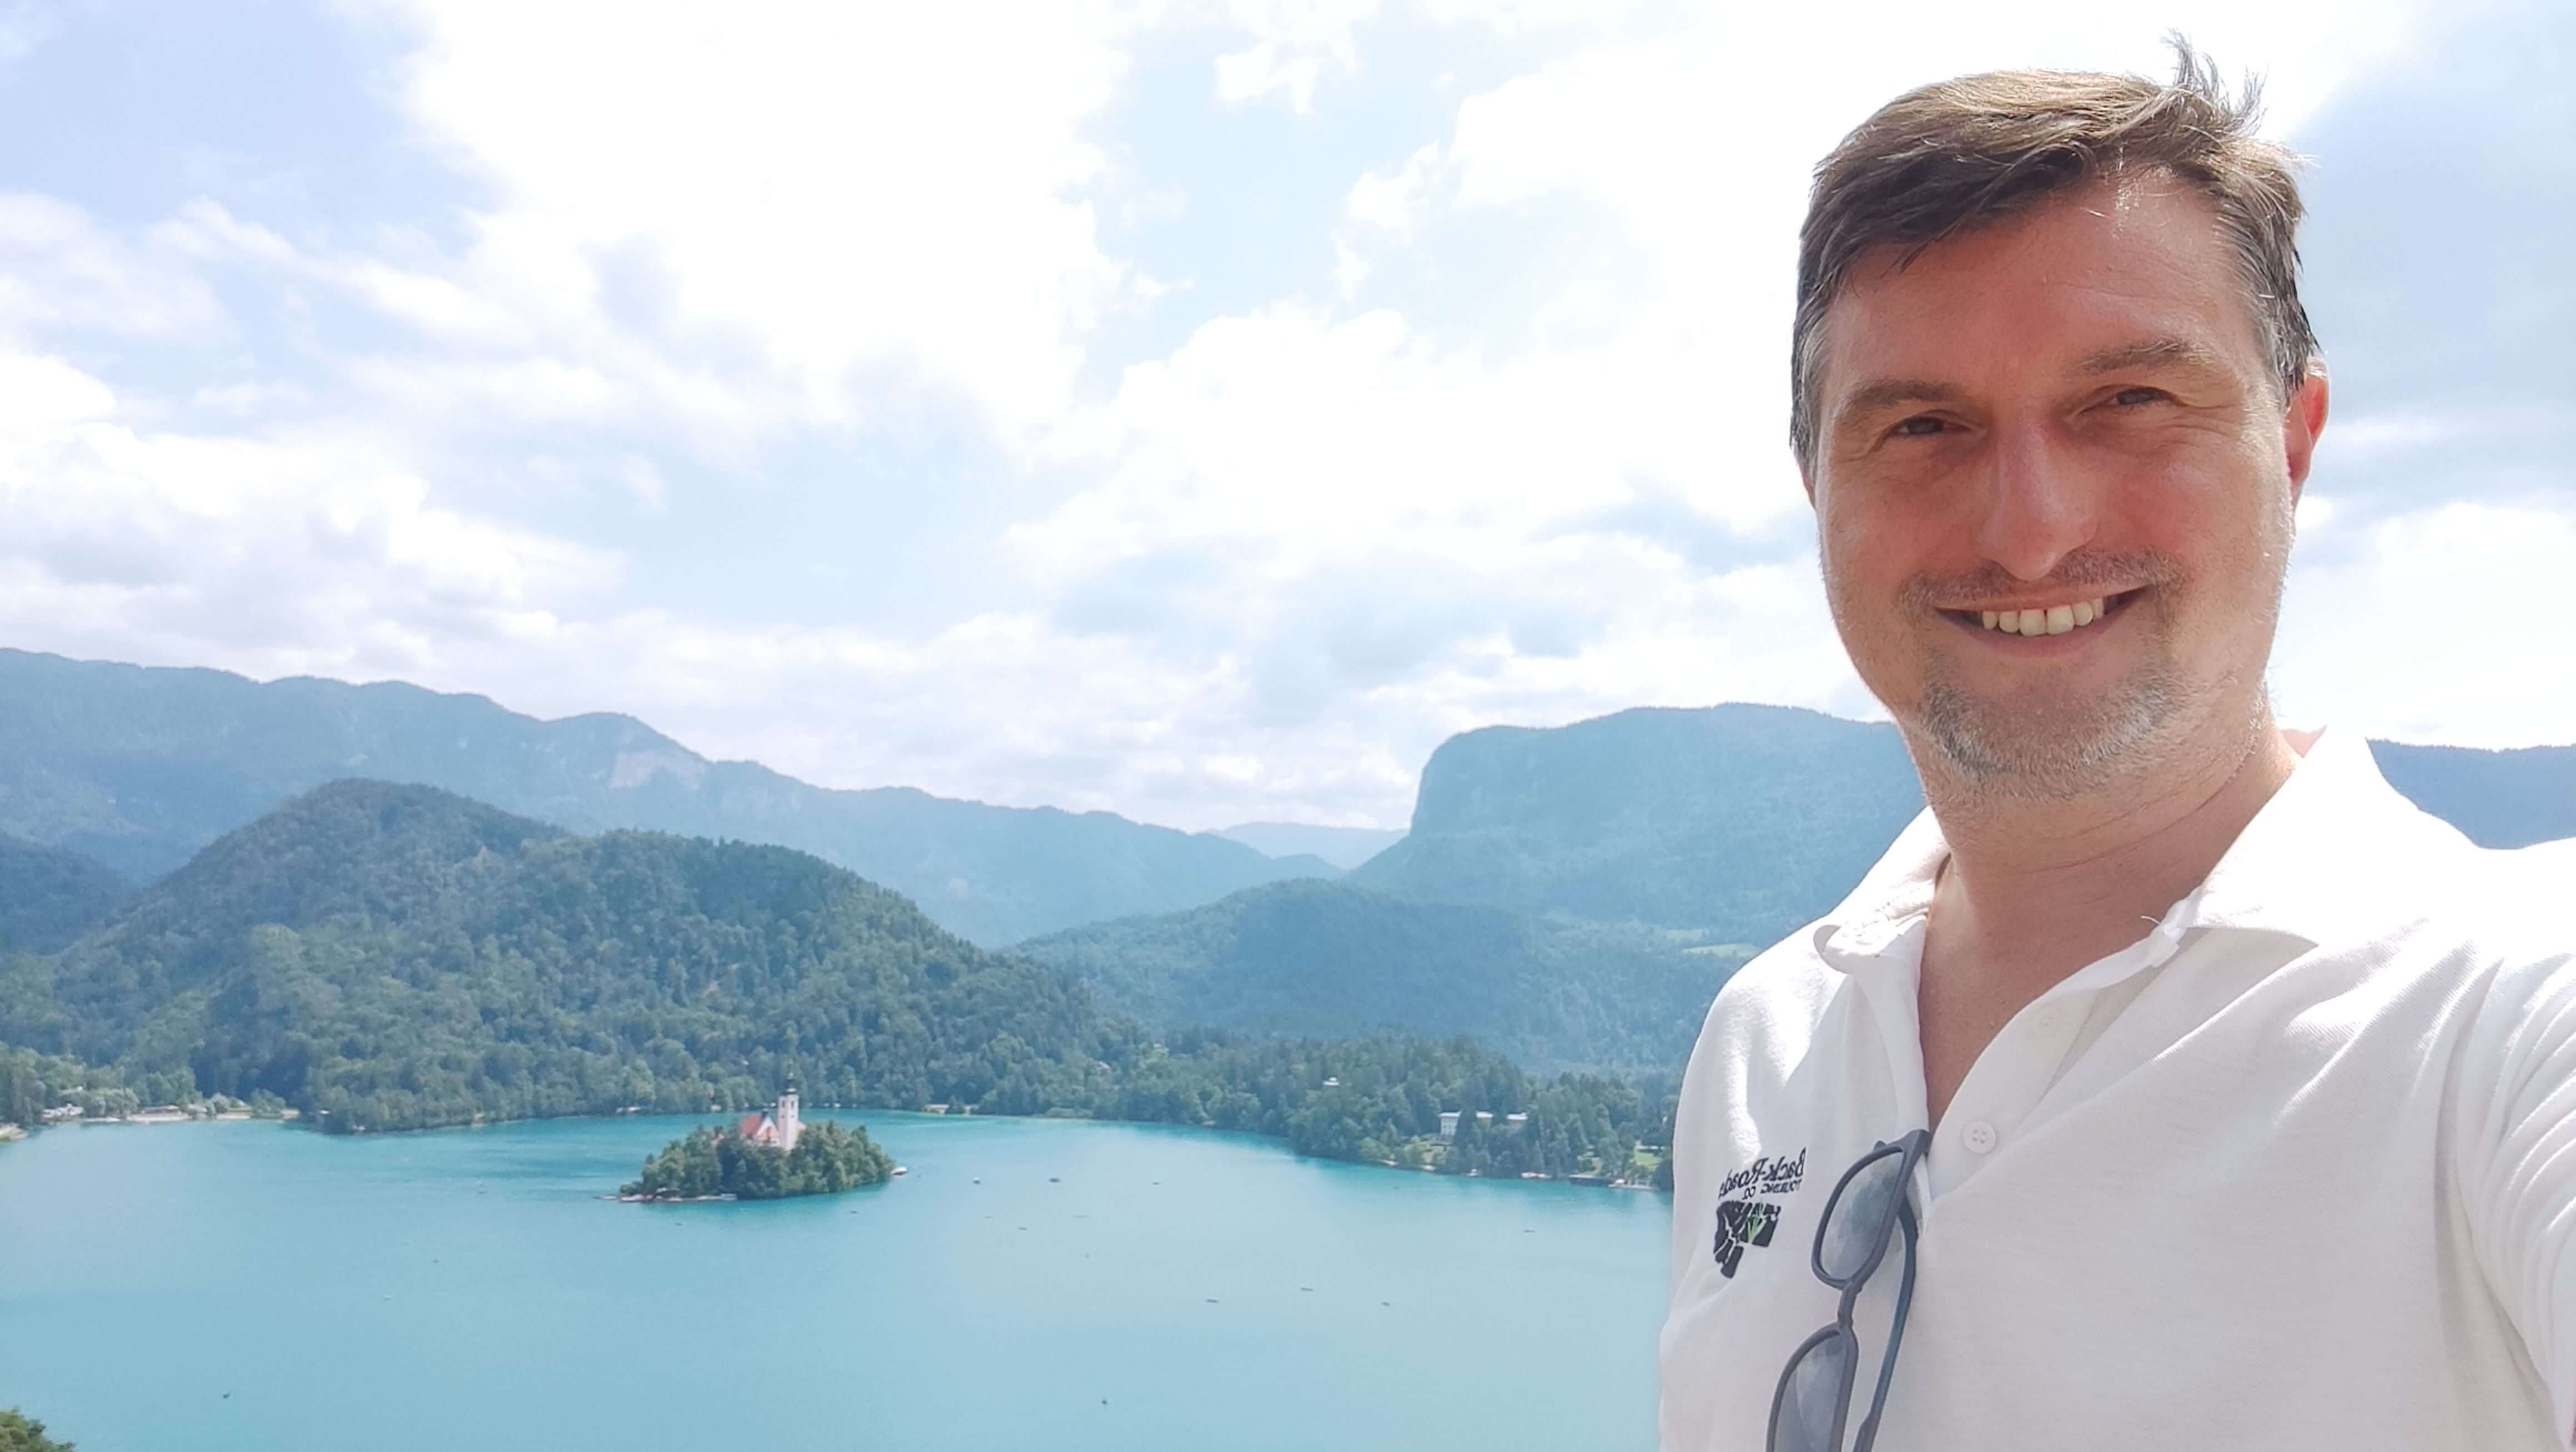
[2046, 745]
[2052, 751]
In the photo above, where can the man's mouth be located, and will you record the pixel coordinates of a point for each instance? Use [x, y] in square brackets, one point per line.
[2055, 619]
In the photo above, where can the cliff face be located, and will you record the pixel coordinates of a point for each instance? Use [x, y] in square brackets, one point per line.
[1745, 821]
[1740, 820]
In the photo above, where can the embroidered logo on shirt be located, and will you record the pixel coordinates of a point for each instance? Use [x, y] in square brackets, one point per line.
[1749, 1222]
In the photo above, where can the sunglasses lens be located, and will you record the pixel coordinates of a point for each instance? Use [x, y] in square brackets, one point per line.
[1861, 1217]
[1818, 1387]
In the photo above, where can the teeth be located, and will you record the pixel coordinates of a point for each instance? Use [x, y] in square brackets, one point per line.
[2056, 620]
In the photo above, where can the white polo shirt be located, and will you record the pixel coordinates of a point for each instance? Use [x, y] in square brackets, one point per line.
[2295, 1170]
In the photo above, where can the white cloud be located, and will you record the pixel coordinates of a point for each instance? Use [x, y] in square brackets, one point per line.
[1249, 75]
[2440, 624]
[262, 551]
[1510, 451]
[1293, 41]
[60, 269]
[39, 395]
[835, 202]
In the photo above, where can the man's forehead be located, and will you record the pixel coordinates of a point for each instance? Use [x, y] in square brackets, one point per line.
[2136, 273]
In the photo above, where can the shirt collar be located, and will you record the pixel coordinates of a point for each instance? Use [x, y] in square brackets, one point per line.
[2335, 841]
[2335, 849]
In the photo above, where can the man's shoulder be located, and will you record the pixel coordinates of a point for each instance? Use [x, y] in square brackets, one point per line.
[1773, 1003]
[2493, 906]
[2511, 914]
[2381, 877]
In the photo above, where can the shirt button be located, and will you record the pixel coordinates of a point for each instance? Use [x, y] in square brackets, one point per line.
[1979, 1137]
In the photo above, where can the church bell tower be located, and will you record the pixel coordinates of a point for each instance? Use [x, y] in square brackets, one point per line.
[785, 1117]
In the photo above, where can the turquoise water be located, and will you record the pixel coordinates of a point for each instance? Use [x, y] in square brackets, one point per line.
[1029, 1284]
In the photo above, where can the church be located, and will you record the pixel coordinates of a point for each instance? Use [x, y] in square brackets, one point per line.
[778, 1126]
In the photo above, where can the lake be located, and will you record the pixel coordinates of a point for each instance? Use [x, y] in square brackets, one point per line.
[1062, 1284]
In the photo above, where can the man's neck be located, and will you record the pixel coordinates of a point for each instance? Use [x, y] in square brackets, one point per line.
[2034, 890]
[2067, 880]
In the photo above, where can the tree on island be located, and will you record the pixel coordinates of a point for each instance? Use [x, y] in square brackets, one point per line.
[710, 1162]
[23, 1434]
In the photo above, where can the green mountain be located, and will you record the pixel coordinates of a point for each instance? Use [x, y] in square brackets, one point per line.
[1739, 820]
[49, 896]
[396, 956]
[140, 768]
[1746, 821]
[389, 957]
[1329, 960]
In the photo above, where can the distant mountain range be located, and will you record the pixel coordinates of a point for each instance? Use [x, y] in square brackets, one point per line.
[1329, 960]
[1725, 824]
[139, 768]
[1343, 847]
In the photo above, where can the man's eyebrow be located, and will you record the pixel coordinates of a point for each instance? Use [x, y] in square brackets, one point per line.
[1881, 393]
[2149, 354]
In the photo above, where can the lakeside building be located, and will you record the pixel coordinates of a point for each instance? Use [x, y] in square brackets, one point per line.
[778, 1125]
[1449, 1121]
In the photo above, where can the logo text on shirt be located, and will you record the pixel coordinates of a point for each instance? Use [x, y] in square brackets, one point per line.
[1744, 1222]
[1769, 1175]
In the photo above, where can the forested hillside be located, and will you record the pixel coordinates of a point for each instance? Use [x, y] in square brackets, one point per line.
[389, 957]
[395, 956]
[140, 768]
[1327, 959]
[49, 896]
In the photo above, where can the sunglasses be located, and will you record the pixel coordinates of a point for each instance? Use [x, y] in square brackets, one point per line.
[1867, 1208]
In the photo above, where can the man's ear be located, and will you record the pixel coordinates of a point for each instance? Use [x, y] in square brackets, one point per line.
[2302, 423]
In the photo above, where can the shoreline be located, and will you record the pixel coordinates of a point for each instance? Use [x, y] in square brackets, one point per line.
[1587, 1182]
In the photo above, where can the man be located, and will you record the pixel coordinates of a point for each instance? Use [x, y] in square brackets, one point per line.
[2172, 1082]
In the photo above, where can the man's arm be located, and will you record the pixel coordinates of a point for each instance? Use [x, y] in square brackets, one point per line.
[2517, 1162]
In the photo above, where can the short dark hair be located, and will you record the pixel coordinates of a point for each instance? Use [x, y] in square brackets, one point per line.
[1951, 157]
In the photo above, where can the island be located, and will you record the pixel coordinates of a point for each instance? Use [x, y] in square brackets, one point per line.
[766, 1157]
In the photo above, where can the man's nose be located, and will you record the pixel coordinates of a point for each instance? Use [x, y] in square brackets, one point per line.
[2038, 506]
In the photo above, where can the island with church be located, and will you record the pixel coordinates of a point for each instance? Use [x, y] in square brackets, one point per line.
[767, 1156]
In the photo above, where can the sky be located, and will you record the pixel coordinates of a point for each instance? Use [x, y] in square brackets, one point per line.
[1196, 412]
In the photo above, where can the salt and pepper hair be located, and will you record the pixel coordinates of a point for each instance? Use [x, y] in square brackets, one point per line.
[1949, 158]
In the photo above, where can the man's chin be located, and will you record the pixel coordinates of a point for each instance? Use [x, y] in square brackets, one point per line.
[2042, 750]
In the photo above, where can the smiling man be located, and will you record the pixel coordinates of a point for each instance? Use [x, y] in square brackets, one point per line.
[2172, 1082]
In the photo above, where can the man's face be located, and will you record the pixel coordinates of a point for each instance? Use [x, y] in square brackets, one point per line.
[2064, 412]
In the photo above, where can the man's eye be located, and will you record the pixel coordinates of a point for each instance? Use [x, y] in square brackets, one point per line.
[2132, 397]
[1920, 427]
